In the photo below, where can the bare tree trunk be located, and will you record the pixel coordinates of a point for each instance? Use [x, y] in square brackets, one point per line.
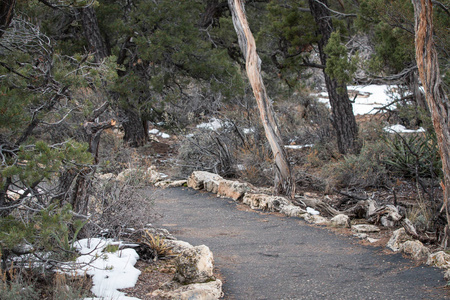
[92, 33]
[437, 99]
[284, 182]
[343, 119]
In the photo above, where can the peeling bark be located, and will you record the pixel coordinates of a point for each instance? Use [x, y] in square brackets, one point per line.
[284, 183]
[437, 98]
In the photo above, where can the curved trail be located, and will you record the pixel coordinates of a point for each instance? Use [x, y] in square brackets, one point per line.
[266, 256]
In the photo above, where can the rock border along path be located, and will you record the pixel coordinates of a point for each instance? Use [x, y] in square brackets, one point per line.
[271, 256]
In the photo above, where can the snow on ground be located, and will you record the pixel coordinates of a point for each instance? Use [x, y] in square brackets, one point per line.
[156, 132]
[298, 146]
[213, 124]
[312, 211]
[369, 97]
[397, 128]
[109, 271]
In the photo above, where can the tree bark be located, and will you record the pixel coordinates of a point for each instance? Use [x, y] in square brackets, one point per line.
[437, 98]
[6, 14]
[135, 135]
[92, 33]
[343, 119]
[284, 182]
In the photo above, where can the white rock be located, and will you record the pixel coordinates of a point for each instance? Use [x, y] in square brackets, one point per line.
[170, 183]
[365, 228]
[232, 189]
[178, 246]
[340, 220]
[398, 237]
[361, 235]
[265, 202]
[198, 291]
[292, 210]
[194, 265]
[198, 178]
[125, 174]
[439, 259]
[315, 219]
[372, 240]
[416, 249]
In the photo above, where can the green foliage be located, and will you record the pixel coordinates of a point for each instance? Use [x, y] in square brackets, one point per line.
[17, 289]
[50, 230]
[339, 65]
[414, 156]
[34, 163]
[392, 24]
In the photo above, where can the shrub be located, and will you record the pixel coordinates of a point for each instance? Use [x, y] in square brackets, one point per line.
[361, 171]
[414, 156]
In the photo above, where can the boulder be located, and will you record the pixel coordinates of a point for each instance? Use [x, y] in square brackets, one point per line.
[177, 246]
[198, 178]
[170, 184]
[397, 239]
[125, 174]
[232, 189]
[315, 219]
[439, 259]
[265, 202]
[340, 220]
[199, 291]
[416, 249]
[212, 185]
[365, 228]
[292, 210]
[194, 265]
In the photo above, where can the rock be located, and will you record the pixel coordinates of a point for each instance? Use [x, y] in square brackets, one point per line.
[340, 220]
[170, 184]
[315, 219]
[365, 228]
[372, 240]
[416, 249]
[232, 189]
[125, 174]
[178, 246]
[198, 178]
[292, 210]
[439, 259]
[312, 211]
[398, 237]
[265, 202]
[361, 235]
[105, 177]
[194, 265]
[371, 207]
[212, 186]
[447, 275]
[153, 176]
[391, 216]
[198, 291]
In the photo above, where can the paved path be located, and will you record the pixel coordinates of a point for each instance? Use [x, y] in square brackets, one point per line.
[266, 256]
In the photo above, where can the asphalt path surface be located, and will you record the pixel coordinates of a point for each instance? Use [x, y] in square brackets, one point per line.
[268, 256]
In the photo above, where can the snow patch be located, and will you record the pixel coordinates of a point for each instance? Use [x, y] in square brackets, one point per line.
[298, 146]
[312, 211]
[153, 131]
[213, 124]
[397, 128]
[109, 271]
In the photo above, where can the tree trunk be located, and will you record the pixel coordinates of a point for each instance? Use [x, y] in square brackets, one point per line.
[135, 135]
[343, 119]
[437, 98]
[284, 182]
[92, 33]
[6, 14]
